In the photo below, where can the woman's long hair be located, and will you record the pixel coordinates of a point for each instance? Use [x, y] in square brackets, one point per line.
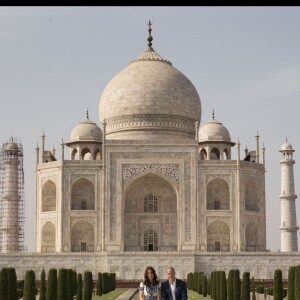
[146, 279]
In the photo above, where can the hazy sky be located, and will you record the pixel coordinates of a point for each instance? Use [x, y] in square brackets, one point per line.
[244, 61]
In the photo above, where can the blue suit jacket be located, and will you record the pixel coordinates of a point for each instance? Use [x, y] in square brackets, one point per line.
[180, 290]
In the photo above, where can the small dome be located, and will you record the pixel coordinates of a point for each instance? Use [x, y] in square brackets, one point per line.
[11, 147]
[86, 130]
[286, 147]
[214, 131]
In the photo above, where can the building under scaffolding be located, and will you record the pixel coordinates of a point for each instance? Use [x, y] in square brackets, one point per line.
[12, 214]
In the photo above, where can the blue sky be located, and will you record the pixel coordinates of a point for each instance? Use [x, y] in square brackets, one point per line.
[244, 61]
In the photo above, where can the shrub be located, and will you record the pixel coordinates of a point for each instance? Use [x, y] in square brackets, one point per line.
[246, 286]
[51, 293]
[62, 284]
[260, 289]
[189, 280]
[230, 285]
[223, 287]
[270, 291]
[236, 285]
[3, 284]
[204, 286]
[88, 285]
[297, 280]
[12, 284]
[291, 283]
[29, 286]
[278, 291]
[99, 284]
[79, 287]
[43, 286]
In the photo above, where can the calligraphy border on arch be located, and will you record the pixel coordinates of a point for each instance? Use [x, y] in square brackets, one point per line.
[148, 157]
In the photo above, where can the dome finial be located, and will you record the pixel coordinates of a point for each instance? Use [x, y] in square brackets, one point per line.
[87, 113]
[286, 139]
[150, 38]
[213, 114]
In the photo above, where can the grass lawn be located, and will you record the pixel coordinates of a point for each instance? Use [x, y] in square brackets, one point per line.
[117, 292]
[195, 296]
[111, 295]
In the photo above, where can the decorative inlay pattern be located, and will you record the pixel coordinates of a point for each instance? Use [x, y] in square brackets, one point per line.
[90, 177]
[226, 177]
[211, 219]
[129, 172]
[45, 179]
[90, 220]
[151, 122]
[45, 220]
[184, 175]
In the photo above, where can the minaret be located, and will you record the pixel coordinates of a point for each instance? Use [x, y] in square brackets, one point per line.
[288, 225]
[12, 180]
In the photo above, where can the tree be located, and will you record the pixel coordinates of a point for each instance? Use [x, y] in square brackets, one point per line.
[230, 285]
[246, 286]
[12, 291]
[291, 283]
[297, 282]
[204, 286]
[74, 285]
[79, 287]
[88, 285]
[236, 285]
[3, 284]
[69, 284]
[43, 285]
[253, 288]
[105, 283]
[189, 280]
[213, 285]
[99, 284]
[277, 290]
[223, 286]
[29, 286]
[51, 293]
[62, 284]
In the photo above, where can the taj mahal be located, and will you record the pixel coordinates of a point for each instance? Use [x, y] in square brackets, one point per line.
[152, 185]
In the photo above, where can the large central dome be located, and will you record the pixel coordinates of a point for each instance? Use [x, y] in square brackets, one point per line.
[150, 99]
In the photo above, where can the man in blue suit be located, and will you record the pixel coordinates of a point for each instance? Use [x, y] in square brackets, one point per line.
[173, 288]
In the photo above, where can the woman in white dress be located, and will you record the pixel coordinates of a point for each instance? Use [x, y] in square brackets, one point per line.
[150, 287]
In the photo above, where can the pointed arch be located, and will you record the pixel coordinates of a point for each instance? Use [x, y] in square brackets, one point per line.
[83, 195]
[49, 196]
[226, 154]
[215, 154]
[251, 194]
[86, 154]
[48, 237]
[218, 196]
[97, 154]
[218, 236]
[74, 154]
[82, 237]
[251, 236]
[150, 203]
[203, 154]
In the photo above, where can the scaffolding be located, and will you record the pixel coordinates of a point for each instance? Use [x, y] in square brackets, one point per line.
[12, 204]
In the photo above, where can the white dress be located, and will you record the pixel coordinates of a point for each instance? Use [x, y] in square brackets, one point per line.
[150, 292]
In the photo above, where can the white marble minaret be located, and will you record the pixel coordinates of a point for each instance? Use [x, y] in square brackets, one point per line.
[288, 224]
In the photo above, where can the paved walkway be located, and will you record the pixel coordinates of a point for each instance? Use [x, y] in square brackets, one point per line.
[127, 294]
